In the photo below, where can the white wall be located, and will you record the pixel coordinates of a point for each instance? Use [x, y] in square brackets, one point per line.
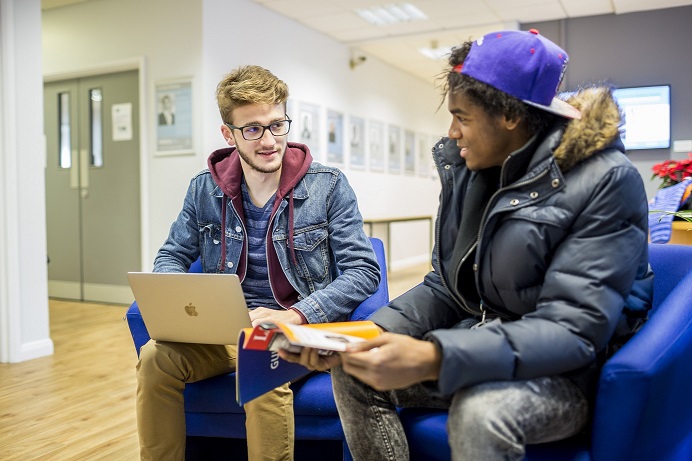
[24, 326]
[205, 39]
[316, 69]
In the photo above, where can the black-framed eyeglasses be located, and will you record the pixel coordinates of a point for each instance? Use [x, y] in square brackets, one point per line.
[253, 132]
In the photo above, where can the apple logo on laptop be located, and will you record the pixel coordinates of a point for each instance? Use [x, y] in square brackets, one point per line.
[190, 310]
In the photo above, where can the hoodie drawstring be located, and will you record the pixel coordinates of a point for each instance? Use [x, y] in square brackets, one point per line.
[291, 243]
[223, 233]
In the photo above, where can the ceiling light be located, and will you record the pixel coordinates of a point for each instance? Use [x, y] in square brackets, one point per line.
[391, 14]
[435, 53]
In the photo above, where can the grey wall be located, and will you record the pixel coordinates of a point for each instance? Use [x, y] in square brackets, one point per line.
[646, 48]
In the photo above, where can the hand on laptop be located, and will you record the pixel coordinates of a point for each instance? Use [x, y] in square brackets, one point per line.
[263, 314]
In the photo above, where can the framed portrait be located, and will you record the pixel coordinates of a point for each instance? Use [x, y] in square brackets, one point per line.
[432, 139]
[409, 152]
[174, 127]
[335, 137]
[394, 149]
[294, 134]
[356, 141]
[309, 127]
[424, 155]
[376, 143]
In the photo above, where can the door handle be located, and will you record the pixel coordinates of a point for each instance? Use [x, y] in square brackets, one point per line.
[84, 172]
[74, 170]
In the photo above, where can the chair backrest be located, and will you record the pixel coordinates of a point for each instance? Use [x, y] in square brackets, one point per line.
[670, 264]
[643, 402]
[381, 296]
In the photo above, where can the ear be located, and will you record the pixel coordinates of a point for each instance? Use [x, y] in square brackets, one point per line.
[510, 124]
[227, 134]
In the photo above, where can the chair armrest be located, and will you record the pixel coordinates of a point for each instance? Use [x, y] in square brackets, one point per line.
[643, 404]
[138, 329]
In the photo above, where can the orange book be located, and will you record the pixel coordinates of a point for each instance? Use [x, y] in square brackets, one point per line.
[326, 337]
[259, 367]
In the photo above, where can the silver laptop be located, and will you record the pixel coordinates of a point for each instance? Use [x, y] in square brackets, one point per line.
[191, 307]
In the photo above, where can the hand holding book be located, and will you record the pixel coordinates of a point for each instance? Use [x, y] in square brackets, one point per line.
[261, 368]
[325, 337]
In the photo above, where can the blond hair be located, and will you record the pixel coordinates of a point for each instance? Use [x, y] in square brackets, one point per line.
[249, 85]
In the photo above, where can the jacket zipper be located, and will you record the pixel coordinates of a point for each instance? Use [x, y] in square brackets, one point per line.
[459, 300]
[485, 216]
[462, 302]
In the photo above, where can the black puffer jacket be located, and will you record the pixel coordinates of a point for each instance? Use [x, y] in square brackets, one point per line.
[561, 257]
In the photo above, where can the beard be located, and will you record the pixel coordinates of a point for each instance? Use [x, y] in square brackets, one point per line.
[260, 168]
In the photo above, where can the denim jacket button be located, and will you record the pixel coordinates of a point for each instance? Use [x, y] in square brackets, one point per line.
[238, 228]
[230, 264]
[216, 242]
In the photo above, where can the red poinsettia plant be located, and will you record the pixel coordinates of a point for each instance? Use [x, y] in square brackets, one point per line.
[673, 171]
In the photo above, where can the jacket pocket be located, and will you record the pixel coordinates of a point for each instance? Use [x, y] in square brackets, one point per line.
[312, 253]
[210, 243]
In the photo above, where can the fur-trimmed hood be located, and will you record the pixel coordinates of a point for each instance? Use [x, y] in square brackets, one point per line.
[597, 129]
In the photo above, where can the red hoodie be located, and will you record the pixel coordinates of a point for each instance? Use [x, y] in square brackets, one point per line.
[225, 168]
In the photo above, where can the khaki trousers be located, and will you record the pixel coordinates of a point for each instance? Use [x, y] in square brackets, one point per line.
[162, 371]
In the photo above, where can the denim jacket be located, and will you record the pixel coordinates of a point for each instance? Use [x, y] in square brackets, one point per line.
[322, 252]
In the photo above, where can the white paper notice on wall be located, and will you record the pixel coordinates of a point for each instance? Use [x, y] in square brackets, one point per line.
[122, 121]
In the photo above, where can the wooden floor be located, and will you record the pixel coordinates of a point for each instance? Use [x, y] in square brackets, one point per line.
[78, 404]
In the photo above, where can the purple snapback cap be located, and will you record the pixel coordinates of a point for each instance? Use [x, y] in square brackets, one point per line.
[522, 64]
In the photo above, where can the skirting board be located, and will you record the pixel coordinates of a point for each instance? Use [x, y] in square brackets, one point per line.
[35, 349]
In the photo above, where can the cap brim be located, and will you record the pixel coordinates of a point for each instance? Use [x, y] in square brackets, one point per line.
[558, 107]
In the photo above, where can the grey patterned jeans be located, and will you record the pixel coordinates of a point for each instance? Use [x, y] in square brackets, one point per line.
[490, 421]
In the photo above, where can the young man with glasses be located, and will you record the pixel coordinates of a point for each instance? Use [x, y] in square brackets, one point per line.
[289, 227]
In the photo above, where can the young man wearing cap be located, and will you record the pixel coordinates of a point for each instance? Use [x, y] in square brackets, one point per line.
[540, 266]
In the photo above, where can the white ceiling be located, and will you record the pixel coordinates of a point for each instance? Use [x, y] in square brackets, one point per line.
[449, 23]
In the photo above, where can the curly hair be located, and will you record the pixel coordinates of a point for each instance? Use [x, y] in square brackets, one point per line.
[494, 102]
[249, 85]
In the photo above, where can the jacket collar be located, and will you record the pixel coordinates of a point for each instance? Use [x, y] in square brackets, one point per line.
[224, 166]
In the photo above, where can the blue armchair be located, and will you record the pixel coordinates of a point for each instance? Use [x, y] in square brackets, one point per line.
[643, 405]
[210, 406]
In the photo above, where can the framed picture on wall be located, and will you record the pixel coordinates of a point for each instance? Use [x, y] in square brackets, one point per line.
[356, 141]
[335, 137]
[409, 152]
[394, 150]
[432, 139]
[376, 143]
[309, 127]
[174, 117]
[424, 155]
[294, 134]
